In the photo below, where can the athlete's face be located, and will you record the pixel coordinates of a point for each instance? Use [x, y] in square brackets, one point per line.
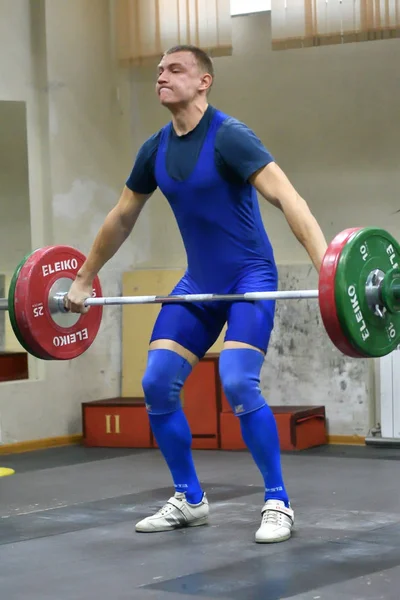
[180, 79]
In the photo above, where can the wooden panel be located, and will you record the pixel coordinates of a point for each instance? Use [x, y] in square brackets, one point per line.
[13, 366]
[231, 435]
[200, 399]
[138, 322]
[225, 406]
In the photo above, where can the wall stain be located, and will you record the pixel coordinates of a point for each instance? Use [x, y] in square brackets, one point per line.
[304, 367]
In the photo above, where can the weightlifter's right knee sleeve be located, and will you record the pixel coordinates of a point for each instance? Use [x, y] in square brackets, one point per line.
[163, 380]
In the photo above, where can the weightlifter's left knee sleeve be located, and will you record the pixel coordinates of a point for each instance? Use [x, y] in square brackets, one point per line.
[165, 374]
[240, 377]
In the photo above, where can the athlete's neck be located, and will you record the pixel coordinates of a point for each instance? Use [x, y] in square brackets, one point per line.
[185, 118]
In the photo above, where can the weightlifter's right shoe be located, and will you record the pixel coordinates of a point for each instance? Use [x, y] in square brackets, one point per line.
[176, 514]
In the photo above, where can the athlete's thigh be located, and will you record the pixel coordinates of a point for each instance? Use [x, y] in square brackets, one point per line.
[194, 326]
[252, 322]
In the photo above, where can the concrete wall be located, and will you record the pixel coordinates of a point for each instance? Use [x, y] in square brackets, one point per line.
[2, 315]
[78, 152]
[329, 115]
[15, 221]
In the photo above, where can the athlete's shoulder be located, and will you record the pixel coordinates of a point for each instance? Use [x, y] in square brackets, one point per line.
[142, 177]
[239, 148]
[234, 133]
[150, 145]
[232, 126]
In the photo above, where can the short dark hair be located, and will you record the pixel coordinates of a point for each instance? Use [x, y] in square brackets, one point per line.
[203, 59]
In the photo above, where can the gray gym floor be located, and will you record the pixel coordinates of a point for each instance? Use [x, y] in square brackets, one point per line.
[68, 514]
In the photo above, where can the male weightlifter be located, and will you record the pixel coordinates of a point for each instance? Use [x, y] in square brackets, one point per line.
[209, 166]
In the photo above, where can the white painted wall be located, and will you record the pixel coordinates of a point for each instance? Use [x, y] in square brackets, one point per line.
[82, 136]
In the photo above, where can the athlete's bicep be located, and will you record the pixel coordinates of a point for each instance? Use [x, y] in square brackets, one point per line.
[142, 177]
[129, 207]
[240, 150]
[131, 203]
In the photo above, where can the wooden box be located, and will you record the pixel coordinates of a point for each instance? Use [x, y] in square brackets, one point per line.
[116, 422]
[300, 427]
[123, 422]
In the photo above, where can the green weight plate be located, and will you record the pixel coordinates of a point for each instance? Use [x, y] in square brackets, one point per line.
[11, 308]
[369, 250]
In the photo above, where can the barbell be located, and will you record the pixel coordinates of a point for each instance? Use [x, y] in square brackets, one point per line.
[358, 293]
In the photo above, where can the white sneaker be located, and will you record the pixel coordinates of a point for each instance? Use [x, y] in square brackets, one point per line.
[175, 514]
[276, 523]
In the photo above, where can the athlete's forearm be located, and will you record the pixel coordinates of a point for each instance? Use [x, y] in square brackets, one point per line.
[109, 239]
[307, 231]
[274, 185]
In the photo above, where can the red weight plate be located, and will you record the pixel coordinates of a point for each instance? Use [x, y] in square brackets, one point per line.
[326, 289]
[56, 335]
[25, 331]
[23, 340]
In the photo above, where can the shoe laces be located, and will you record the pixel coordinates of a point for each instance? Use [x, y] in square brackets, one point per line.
[165, 510]
[168, 508]
[272, 517]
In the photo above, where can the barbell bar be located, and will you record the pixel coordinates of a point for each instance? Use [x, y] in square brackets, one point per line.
[179, 298]
[358, 293]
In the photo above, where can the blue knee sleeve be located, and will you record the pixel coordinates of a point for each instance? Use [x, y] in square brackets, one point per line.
[162, 382]
[239, 370]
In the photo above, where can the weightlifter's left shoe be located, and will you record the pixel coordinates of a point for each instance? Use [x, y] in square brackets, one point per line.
[276, 523]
